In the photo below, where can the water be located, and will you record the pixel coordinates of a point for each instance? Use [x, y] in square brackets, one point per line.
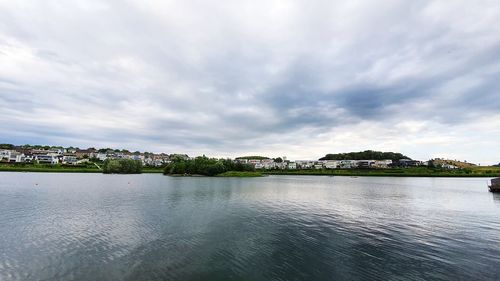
[152, 227]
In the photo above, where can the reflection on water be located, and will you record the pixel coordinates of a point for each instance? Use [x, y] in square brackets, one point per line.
[496, 197]
[151, 227]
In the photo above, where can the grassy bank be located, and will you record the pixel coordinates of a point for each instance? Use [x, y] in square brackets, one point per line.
[237, 174]
[403, 172]
[48, 168]
[62, 169]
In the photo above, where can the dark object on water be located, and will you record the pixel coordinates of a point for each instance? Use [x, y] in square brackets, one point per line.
[495, 185]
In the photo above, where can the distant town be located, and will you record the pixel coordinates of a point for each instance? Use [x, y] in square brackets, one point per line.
[54, 155]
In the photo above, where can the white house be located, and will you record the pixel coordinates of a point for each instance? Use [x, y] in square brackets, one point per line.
[331, 164]
[102, 156]
[254, 161]
[305, 164]
[16, 157]
[348, 164]
[292, 165]
[69, 159]
[259, 166]
[382, 163]
[5, 155]
[47, 159]
[318, 166]
[269, 165]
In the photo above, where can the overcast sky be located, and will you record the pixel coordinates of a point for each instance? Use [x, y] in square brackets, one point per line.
[277, 78]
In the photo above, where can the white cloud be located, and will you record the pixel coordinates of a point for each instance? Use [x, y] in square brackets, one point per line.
[225, 78]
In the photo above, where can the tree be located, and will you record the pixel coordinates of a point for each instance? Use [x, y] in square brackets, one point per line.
[203, 165]
[6, 146]
[365, 155]
[122, 166]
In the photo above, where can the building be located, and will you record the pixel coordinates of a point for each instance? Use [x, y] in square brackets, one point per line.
[366, 164]
[269, 165]
[47, 159]
[383, 164]
[331, 164]
[5, 155]
[102, 156]
[69, 159]
[16, 157]
[85, 153]
[292, 165]
[406, 163]
[348, 164]
[318, 166]
[304, 164]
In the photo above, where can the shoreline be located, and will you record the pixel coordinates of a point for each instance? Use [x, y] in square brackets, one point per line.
[486, 172]
[343, 173]
[480, 172]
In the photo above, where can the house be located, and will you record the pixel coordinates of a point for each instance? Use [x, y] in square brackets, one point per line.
[85, 153]
[318, 166]
[292, 165]
[348, 164]
[5, 155]
[259, 166]
[449, 166]
[28, 158]
[102, 156]
[47, 159]
[382, 163]
[269, 165]
[304, 164]
[16, 157]
[69, 159]
[365, 164]
[406, 163]
[331, 164]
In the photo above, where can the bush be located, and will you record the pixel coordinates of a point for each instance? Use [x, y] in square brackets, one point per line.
[122, 166]
[204, 166]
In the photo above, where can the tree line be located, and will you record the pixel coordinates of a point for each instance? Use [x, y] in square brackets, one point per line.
[203, 165]
[122, 166]
[365, 155]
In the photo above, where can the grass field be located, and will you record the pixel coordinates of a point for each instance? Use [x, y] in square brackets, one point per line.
[61, 169]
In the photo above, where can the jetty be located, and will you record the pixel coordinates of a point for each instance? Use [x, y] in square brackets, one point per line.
[495, 185]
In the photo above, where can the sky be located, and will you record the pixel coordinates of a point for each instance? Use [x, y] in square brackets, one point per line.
[278, 78]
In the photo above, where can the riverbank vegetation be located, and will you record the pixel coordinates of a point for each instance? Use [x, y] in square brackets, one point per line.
[122, 166]
[205, 166]
[237, 174]
[247, 170]
[58, 168]
[396, 172]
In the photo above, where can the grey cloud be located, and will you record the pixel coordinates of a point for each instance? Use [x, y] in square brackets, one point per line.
[246, 76]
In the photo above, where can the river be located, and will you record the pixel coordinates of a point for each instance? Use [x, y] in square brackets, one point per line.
[154, 227]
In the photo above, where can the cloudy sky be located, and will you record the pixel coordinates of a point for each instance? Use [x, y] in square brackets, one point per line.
[278, 78]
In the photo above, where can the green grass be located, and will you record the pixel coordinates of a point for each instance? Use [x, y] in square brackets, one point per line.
[48, 169]
[482, 171]
[61, 169]
[240, 174]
